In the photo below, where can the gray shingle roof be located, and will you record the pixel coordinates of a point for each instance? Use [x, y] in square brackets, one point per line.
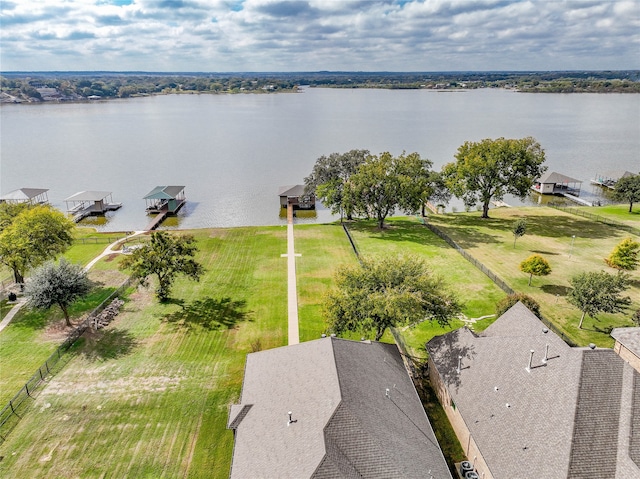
[629, 338]
[345, 424]
[555, 409]
[291, 190]
[553, 177]
[23, 194]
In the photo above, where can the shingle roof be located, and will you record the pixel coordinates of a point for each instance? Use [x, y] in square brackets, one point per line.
[629, 338]
[291, 190]
[345, 424]
[554, 409]
[553, 177]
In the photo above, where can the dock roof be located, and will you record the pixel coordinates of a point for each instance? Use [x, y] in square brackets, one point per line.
[164, 193]
[88, 196]
[556, 178]
[291, 190]
[23, 194]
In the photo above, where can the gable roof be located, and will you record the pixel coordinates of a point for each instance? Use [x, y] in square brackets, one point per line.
[23, 194]
[291, 190]
[164, 193]
[344, 425]
[556, 178]
[88, 196]
[568, 417]
[629, 338]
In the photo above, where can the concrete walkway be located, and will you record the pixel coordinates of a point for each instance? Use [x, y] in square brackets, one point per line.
[109, 250]
[292, 292]
[7, 319]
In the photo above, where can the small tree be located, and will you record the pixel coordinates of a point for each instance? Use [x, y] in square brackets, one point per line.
[596, 292]
[535, 265]
[165, 257]
[624, 255]
[636, 317]
[506, 303]
[519, 229]
[627, 189]
[61, 284]
[387, 292]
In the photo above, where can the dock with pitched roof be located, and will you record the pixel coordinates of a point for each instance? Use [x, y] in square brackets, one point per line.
[87, 203]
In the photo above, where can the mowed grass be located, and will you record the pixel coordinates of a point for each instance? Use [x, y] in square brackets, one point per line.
[408, 236]
[147, 397]
[616, 212]
[33, 335]
[550, 234]
[323, 248]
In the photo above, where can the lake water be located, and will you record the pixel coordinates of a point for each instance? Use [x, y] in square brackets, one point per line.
[232, 152]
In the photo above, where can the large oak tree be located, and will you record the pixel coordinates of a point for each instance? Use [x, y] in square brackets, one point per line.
[164, 257]
[387, 292]
[490, 169]
[627, 189]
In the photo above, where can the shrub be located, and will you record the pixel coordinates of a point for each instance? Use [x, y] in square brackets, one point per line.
[506, 303]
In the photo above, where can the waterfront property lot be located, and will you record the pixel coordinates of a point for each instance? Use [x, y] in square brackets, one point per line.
[408, 236]
[550, 233]
[148, 396]
[617, 213]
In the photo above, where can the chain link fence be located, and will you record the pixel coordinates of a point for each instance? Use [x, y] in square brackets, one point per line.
[20, 403]
[598, 218]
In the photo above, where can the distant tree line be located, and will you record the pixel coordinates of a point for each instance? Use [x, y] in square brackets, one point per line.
[27, 86]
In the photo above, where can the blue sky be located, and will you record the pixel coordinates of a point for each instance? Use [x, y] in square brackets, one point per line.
[297, 35]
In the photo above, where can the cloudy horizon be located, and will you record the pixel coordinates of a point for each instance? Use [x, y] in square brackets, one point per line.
[318, 35]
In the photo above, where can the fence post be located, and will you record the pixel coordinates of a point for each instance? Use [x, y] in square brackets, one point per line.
[26, 387]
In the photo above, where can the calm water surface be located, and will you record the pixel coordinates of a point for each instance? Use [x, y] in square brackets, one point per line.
[232, 152]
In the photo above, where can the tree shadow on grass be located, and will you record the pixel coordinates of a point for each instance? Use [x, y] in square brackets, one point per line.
[555, 289]
[209, 313]
[108, 344]
[544, 252]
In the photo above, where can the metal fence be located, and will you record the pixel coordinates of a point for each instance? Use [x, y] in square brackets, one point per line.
[598, 218]
[353, 244]
[19, 404]
[495, 278]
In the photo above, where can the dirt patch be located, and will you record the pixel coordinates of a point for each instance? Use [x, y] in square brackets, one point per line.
[122, 387]
[111, 257]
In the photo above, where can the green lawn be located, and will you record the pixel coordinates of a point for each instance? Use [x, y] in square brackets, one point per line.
[323, 249]
[550, 234]
[147, 397]
[408, 235]
[617, 213]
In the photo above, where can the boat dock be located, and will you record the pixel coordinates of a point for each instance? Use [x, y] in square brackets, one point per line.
[87, 203]
[164, 201]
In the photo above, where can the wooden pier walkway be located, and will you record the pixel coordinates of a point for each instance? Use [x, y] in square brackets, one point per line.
[155, 222]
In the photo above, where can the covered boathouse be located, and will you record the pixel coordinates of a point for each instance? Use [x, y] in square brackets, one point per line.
[87, 203]
[32, 196]
[295, 196]
[165, 199]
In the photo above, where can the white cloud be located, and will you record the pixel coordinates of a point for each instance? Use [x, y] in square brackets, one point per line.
[294, 35]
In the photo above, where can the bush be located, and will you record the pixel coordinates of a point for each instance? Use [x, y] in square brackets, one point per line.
[512, 299]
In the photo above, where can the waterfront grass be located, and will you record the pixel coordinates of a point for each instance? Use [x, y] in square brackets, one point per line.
[616, 212]
[148, 396]
[408, 236]
[550, 234]
[323, 248]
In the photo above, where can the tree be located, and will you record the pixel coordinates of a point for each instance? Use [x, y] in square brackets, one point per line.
[383, 183]
[329, 180]
[493, 168]
[61, 285]
[535, 265]
[35, 235]
[596, 292]
[506, 303]
[624, 255]
[627, 189]
[519, 229]
[387, 292]
[164, 257]
[636, 317]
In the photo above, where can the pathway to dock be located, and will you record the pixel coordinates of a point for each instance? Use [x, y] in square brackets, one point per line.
[292, 292]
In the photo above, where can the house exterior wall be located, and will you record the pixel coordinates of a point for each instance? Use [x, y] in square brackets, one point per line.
[459, 426]
[627, 355]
